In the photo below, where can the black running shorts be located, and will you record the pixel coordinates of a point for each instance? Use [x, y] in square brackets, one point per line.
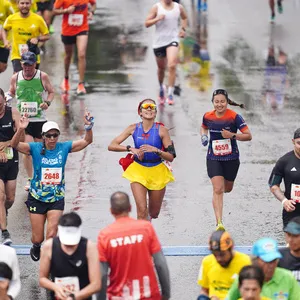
[35, 129]
[4, 54]
[71, 39]
[47, 5]
[9, 170]
[162, 51]
[227, 169]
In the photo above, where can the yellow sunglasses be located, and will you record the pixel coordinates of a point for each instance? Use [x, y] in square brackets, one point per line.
[147, 105]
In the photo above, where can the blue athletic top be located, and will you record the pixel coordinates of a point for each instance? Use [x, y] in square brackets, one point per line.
[140, 137]
[48, 182]
[220, 148]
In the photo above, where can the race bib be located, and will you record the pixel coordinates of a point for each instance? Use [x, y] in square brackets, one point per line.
[70, 284]
[295, 192]
[75, 20]
[29, 108]
[9, 152]
[222, 147]
[51, 175]
[23, 48]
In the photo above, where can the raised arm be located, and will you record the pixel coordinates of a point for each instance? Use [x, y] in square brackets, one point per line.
[152, 17]
[15, 141]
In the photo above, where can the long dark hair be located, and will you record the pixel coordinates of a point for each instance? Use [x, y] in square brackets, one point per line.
[229, 101]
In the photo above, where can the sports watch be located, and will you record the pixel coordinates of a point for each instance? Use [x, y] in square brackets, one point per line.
[48, 103]
[234, 137]
[128, 148]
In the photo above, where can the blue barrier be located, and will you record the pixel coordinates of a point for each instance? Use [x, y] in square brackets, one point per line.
[168, 250]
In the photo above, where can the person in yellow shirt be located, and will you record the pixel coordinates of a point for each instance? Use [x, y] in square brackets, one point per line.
[219, 269]
[251, 280]
[5, 10]
[25, 26]
[15, 7]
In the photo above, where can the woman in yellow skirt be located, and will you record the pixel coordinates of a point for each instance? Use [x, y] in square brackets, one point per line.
[147, 173]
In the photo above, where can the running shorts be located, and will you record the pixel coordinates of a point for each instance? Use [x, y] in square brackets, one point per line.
[227, 169]
[9, 170]
[4, 54]
[71, 39]
[47, 5]
[162, 51]
[35, 129]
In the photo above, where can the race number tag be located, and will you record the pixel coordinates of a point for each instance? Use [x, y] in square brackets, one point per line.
[9, 152]
[23, 48]
[222, 147]
[51, 175]
[70, 284]
[29, 108]
[295, 192]
[75, 20]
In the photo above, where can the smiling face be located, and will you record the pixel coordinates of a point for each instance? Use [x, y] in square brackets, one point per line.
[148, 110]
[220, 103]
[51, 138]
[24, 6]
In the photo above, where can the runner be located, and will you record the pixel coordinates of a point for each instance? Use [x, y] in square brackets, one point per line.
[30, 87]
[136, 241]
[219, 269]
[165, 15]
[147, 174]
[16, 9]
[272, 7]
[223, 154]
[287, 169]
[5, 11]
[251, 280]
[47, 190]
[75, 29]
[9, 164]
[26, 27]
[279, 283]
[72, 261]
[291, 255]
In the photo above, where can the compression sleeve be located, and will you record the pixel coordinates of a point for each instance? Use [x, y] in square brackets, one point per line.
[162, 270]
[104, 273]
[277, 174]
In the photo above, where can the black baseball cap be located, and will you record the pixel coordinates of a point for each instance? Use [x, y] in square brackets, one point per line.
[297, 134]
[220, 240]
[28, 58]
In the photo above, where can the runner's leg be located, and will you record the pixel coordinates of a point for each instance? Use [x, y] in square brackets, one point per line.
[10, 192]
[161, 65]
[2, 206]
[47, 15]
[155, 202]
[68, 57]
[81, 43]
[140, 197]
[37, 228]
[172, 58]
[52, 222]
[228, 186]
[218, 192]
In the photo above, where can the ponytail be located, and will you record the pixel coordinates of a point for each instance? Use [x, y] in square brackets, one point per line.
[231, 102]
[224, 92]
[43, 151]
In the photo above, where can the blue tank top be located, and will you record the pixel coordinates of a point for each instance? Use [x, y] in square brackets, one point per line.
[140, 137]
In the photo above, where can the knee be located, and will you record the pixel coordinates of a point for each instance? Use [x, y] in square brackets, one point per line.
[161, 69]
[9, 202]
[219, 190]
[3, 68]
[172, 66]
[81, 56]
[51, 233]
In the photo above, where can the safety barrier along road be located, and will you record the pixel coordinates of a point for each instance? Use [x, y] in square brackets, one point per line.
[168, 250]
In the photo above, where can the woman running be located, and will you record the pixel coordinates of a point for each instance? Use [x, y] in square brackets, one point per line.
[46, 197]
[148, 173]
[223, 153]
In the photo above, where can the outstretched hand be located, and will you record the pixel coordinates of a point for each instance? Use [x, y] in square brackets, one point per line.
[24, 121]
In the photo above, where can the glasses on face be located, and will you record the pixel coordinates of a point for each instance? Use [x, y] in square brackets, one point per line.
[147, 105]
[49, 135]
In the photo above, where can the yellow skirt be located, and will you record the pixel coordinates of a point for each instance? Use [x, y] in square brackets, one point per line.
[153, 178]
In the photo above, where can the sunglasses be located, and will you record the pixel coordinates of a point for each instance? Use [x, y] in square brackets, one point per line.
[49, 135]
[147, 105]
[220, 91]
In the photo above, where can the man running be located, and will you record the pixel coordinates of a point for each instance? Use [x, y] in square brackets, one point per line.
[165, 16]
[128, 248]
[287, 169]
[9, 164]
[75, 29]
[27, 30]
[72, 261]
[30, 87]
[5, 11]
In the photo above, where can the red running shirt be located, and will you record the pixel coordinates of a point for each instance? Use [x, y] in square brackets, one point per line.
[127, 246]
[77, 21]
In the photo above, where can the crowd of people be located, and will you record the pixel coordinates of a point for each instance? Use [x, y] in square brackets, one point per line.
[73, 267]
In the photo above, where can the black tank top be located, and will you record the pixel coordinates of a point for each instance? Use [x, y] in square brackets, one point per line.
[64, 265]
[7, 128]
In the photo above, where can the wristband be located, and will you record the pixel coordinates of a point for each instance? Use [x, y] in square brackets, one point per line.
[128, 148]
[183, 28]
[48, 103]
[283, 201]
[89, 127]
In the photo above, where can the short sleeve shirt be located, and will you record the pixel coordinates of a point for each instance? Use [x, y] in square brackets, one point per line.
[290, 262]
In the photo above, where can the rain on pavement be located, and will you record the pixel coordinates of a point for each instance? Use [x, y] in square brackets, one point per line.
[121, 71]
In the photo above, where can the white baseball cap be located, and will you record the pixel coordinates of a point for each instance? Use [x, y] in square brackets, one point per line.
[69, 235]
[50, 125]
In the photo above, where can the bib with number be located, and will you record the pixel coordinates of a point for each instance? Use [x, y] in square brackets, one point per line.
[222, 147]
[75, 20]
[51, 175]
[23, 48]
[295, 192]
[71, 284]
[29, 108]
[9, 152]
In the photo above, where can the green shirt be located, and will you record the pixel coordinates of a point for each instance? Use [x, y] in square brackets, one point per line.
[282, 286]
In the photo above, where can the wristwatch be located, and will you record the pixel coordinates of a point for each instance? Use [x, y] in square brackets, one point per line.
[128, 148]
[234, 137]
[48, 102]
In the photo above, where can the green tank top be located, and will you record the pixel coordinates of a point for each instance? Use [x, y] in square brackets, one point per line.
[29, 94]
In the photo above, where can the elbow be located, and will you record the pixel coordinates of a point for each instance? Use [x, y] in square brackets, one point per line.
[250, 137]
[111, 147]
[171, 158]
[146, 24]
[273, 188]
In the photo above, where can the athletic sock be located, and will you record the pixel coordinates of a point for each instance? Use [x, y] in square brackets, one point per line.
[170, 91]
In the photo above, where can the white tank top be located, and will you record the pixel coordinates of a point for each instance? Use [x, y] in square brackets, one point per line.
[167, 30]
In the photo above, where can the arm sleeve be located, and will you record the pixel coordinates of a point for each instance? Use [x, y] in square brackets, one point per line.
[104, 273]
[277, 174]
[240, 123]
[7, 24]
[202, 277]
[234, 293]
[162, 270]
[15, 284]
[204, 123]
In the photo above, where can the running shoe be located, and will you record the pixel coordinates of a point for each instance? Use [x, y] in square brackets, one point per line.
[170, 100]
[51, 29]
[273, 18]
[81, 89]
[65, 86]
[279, 7]
[35, 252]
[220, 226]
[27, 185]
[161, 97]
[5, 238]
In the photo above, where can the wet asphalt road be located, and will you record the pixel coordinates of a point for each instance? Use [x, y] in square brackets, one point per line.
[120, 72]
